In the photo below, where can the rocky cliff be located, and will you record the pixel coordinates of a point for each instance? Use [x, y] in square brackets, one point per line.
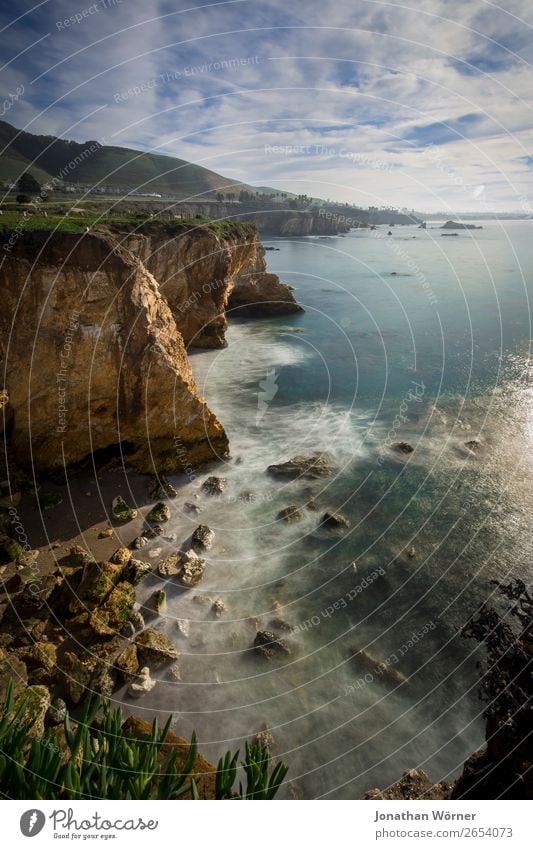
[276, 220]
[94, 328]
[203, 274]
[93, 361]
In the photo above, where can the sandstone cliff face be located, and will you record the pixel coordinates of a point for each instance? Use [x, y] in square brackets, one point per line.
[93, 359]
[202, 274]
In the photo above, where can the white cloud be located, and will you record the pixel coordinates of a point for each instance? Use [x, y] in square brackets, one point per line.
[358, 77]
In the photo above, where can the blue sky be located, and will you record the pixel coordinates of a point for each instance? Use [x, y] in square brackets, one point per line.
[425, 105]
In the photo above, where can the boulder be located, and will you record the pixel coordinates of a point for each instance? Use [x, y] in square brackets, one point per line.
[279, 624]
[192, 570]
[73, 677]
[157, 602]
[154, 648]
[218, 607]
[290, 515]
[214, 485]
[377, 669]
[12, 669]
[103, 678]
[473, 445]
[137, 570]
[203, 537]
[160, 512]
[127, 663]
[139, 542]
[36, 701]
[189, 507]
[28, 558]
[318, 464]
[120, 510]
[414, 784]
[40, 655]
[122, 556]
[334, 521]
[142, 684]
[97, 583]
[111, 617]
[137, 620]
[183, 627]
[159, 488]
[169, 566]
[268, 645]
[56, 713]
[402, 448]
[80, 557]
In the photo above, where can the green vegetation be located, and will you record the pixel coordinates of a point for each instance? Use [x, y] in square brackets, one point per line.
[25, 221]
[97, 757]
[91, 163]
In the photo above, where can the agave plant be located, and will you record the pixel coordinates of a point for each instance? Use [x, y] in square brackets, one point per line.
[99, 759]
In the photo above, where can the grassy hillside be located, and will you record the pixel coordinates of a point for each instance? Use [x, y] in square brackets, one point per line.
[47, 156]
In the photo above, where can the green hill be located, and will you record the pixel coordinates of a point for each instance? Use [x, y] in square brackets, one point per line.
[46, 157]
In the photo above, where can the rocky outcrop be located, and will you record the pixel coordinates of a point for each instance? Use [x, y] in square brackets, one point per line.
[459, 225]
[414, 784]
[319, 464]
[94, 360]
[204, 273]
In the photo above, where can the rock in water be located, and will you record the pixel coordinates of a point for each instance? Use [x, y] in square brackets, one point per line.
[120, 510]
[157, 602]
[377, 669]
[218, 607]
[183, 627]
[334, 521]
[318, 464]
[160, 488]
[160, 512]
[169, 566]
[214, 485]
[281, 625]
[203, 537]
[137, 570]
[192, 570]
[191, 508]
[154, 648]
[268, 645]
[473, 445]
[402, 447]
[122, 556]
[143, 684]
[290, 514]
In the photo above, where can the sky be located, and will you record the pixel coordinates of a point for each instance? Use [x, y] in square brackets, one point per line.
[424, 105]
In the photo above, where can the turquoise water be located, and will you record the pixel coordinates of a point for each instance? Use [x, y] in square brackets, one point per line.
[413, 337]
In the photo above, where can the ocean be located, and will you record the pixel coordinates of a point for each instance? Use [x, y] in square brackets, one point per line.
[412, 337]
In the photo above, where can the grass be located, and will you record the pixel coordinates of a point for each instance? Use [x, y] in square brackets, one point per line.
[98, 758]
[25, 221]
